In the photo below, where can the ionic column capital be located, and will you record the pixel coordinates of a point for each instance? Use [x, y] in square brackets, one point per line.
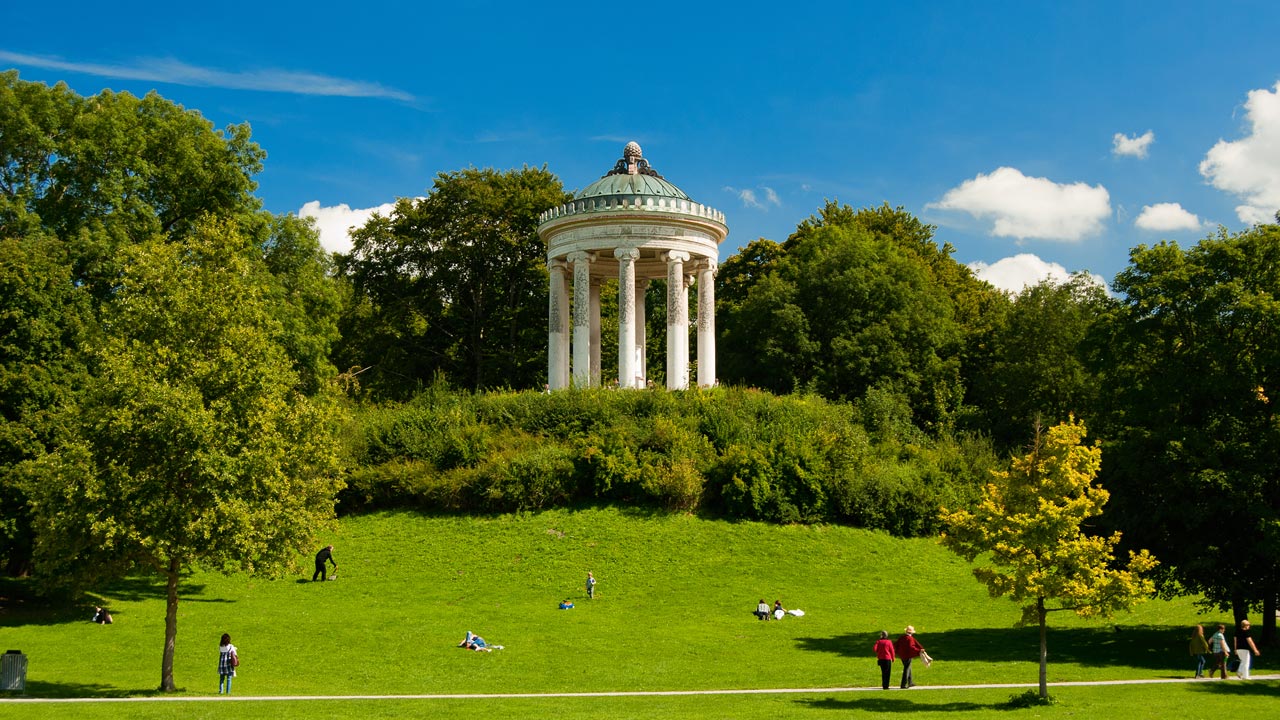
[675, 256]
[625, 254]
[578, 257]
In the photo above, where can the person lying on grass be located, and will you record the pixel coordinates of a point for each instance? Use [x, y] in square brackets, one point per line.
[477, 643]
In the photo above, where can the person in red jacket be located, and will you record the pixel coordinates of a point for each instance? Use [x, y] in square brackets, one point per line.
[908, 649]
[884, 657]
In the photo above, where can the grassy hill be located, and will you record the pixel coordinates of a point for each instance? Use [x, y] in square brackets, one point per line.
[673, 612]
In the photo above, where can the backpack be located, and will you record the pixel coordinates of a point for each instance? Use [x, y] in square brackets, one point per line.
[235, 660]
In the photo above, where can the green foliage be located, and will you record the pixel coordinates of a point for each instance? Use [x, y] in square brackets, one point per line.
[1038, 354]
[191, 448]
[1029, 699]
[1191, 377]
[452, 283]
[854, 301]
[743, 454]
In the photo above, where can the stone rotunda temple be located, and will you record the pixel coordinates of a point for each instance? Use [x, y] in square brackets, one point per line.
[635, 226]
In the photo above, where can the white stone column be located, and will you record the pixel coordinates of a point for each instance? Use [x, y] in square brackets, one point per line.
[595, 334]
[707, 323]
[677, 322]
[581, 318]
[557, 327]
[642, 353]
[626, 315]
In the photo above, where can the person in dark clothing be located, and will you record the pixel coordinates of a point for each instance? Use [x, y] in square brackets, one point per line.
[324, 556]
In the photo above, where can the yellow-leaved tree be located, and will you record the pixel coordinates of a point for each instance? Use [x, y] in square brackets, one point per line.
[1029, 531]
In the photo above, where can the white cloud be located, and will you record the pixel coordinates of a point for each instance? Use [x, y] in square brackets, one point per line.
[1014, 274]
[751, 200]
[746, 195]
[1167, 217]
[1135, 146]
[177, 72]
[335, 222]
[1030, 207]
[1250, 167]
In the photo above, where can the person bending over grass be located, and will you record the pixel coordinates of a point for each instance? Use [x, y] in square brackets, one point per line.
[762, 610]
[566, 604]
[325, 555]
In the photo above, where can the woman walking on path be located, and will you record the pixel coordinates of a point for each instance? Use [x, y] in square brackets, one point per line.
[1245, 649]
[884, 657]
[1199, 648]
[227, 662]
[908, 649]
[1218, 647]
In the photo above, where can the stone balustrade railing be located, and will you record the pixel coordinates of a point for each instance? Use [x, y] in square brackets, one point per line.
[633, 202]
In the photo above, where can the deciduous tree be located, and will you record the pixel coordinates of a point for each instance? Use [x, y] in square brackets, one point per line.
[1191, 382]
[193, 446]
[453, 283]
[1030, 530]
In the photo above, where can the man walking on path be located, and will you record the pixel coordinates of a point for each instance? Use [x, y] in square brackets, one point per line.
[908, 649]
[1245, 649]
[325, 555]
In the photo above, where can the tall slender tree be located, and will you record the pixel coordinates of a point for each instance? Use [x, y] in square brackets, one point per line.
[1030, 528]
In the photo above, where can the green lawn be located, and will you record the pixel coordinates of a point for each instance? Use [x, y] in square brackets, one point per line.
[672, 613]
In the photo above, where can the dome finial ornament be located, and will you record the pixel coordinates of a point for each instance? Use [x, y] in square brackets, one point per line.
[632, 163]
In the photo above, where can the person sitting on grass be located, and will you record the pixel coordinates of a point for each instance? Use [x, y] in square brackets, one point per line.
[566, 604]
[762, 610]
[778, 611]
[101, 616]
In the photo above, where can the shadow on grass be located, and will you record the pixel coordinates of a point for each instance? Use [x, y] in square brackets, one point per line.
[1151, 647]
[1241, 688]
[22, 604]
[877, 705]
[38, 689]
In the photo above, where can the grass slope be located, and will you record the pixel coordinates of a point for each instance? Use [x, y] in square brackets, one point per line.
[672, 613]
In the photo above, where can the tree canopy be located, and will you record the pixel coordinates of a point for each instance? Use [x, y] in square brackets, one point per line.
[453, 283]
[1030, 528]
[1191, 387]
[853, 302]
[192, 446]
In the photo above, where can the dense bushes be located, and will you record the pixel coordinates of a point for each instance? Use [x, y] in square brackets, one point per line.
[736, 453]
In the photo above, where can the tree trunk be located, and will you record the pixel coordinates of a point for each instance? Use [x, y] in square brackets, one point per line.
[1044, 650]
[1269, 617]
[170, 627]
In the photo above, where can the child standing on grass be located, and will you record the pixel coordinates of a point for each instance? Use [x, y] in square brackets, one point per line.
[591, 585]
[227, 662]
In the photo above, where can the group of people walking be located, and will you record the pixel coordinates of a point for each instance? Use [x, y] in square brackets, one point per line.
[1215, 648]
[906, 649]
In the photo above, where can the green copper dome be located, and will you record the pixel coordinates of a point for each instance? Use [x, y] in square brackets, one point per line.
[631, 176]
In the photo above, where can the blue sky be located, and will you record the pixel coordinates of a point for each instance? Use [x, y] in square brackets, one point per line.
[1040, 137]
